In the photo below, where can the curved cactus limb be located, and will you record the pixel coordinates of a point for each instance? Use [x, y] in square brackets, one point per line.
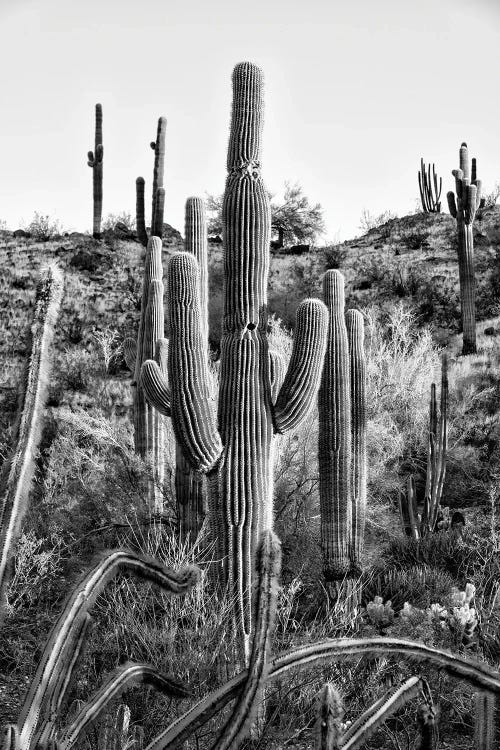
[118, 681]
[54, 658]
[300, 387]
[17, 472]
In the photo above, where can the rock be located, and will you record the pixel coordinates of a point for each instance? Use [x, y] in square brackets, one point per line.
[122, 231]
[297, 249]
[171, 236]
[490, 331]
[20, 233]
[217, 240]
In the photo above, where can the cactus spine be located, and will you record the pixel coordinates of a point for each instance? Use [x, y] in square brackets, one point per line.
[158, 200]
[463, 209]
[430, 193]
[95, 161]
[342, 441]
[17, 472]
[238, 456]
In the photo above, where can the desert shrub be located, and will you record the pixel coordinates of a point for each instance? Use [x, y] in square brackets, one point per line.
[368, 221]
[401, 362]
[43, 228]
[77, 369]
[334, 256]
[126, 218]
[421, 585]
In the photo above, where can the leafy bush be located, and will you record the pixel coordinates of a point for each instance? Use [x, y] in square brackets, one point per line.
[43, 228]
[334, 256]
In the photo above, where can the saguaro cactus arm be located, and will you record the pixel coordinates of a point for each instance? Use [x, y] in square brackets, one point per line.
[54, 658]
[17, 472]
[118, 681]
[156, 387]
[192, 417]
[140, 220]
[300, 387]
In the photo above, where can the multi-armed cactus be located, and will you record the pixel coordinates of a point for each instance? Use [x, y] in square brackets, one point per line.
[36, 725]
[95, 159]
[418, 525]
[237, 450]
[148, 423]
[342, 439]
[430, 193]
[17, 472]
[158, 204]
[463, 209]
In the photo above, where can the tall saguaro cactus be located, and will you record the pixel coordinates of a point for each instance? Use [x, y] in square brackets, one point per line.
[148, 422]
[357, 365]
[430, 193]
[236, 451]
[17, 472]
[334, 437]
[95, 161]
[158, 201]
[463, 209]
[342, 440]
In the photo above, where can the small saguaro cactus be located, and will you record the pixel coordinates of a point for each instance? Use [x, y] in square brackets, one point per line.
[17, 472]
[430, 193]
[237, 450]
[418, 525]
[158, 201]
[463, 208]
[95, 161]
[342, 441]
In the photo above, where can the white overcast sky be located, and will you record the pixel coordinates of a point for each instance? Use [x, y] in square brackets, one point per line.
[356, 92]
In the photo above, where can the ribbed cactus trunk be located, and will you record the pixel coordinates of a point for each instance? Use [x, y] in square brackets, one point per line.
[140, 221]
[95, 161]
[190, 484]
[148, 422]
[334, 440]
[158, 201]
[463, 209]
[357, 362]
[17, 471]
[237, 452]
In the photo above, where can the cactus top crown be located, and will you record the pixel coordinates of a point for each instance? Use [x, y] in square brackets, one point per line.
[246, 130]
[333, 291]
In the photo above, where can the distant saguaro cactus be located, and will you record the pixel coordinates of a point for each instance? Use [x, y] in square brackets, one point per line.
[17, 471]
[430, 193]
[95, 161]
[158, 201]
[463, 209]
[237, 452]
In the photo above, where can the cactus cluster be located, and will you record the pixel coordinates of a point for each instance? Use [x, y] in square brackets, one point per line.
[95, 161]
[158, 204]
[418, 525]
[430, 193]
[17, 471]
[342, 439]
[236, 450]
[463, 208]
